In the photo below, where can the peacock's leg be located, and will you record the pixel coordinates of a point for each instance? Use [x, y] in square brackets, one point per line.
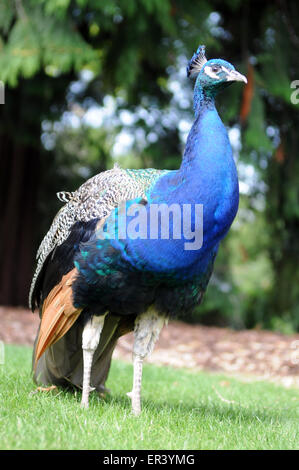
[146, 332]
[90, 340]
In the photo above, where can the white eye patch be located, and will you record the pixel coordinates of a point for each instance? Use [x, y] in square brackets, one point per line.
[210, 73]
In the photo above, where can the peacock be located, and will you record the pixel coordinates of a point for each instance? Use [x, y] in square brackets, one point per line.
[98, 277]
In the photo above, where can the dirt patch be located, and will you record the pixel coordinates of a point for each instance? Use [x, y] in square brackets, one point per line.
[252, 354]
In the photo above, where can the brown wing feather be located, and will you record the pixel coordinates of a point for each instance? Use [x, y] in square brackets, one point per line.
[58, 314]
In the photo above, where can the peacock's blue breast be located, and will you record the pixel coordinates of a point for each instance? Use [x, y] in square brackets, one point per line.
[228, 202]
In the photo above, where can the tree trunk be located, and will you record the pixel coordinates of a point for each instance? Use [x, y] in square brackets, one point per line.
[18, 181]
[16, 237]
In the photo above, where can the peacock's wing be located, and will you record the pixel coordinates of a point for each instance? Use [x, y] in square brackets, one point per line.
[95, 199]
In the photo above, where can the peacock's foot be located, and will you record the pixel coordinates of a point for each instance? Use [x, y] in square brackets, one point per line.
[84, 404]
[44, 389]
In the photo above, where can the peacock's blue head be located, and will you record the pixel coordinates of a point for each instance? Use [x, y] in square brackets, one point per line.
[212, 75]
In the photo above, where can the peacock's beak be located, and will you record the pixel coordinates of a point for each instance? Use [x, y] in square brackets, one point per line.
[234, 76]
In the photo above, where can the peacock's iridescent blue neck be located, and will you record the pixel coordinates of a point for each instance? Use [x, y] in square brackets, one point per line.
[202, 100]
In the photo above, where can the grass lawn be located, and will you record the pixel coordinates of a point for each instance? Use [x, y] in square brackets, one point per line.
[181, 410]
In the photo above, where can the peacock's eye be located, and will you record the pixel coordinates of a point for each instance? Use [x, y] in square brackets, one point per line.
[215, 68]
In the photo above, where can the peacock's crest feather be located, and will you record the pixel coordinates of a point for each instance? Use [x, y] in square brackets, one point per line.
[197, 62]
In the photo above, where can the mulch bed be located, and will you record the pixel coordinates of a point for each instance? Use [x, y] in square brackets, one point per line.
[248, 354]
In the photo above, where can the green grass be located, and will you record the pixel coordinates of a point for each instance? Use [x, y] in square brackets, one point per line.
[181, 410]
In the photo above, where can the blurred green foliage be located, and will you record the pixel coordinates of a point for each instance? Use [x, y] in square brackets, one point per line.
[107, 83]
